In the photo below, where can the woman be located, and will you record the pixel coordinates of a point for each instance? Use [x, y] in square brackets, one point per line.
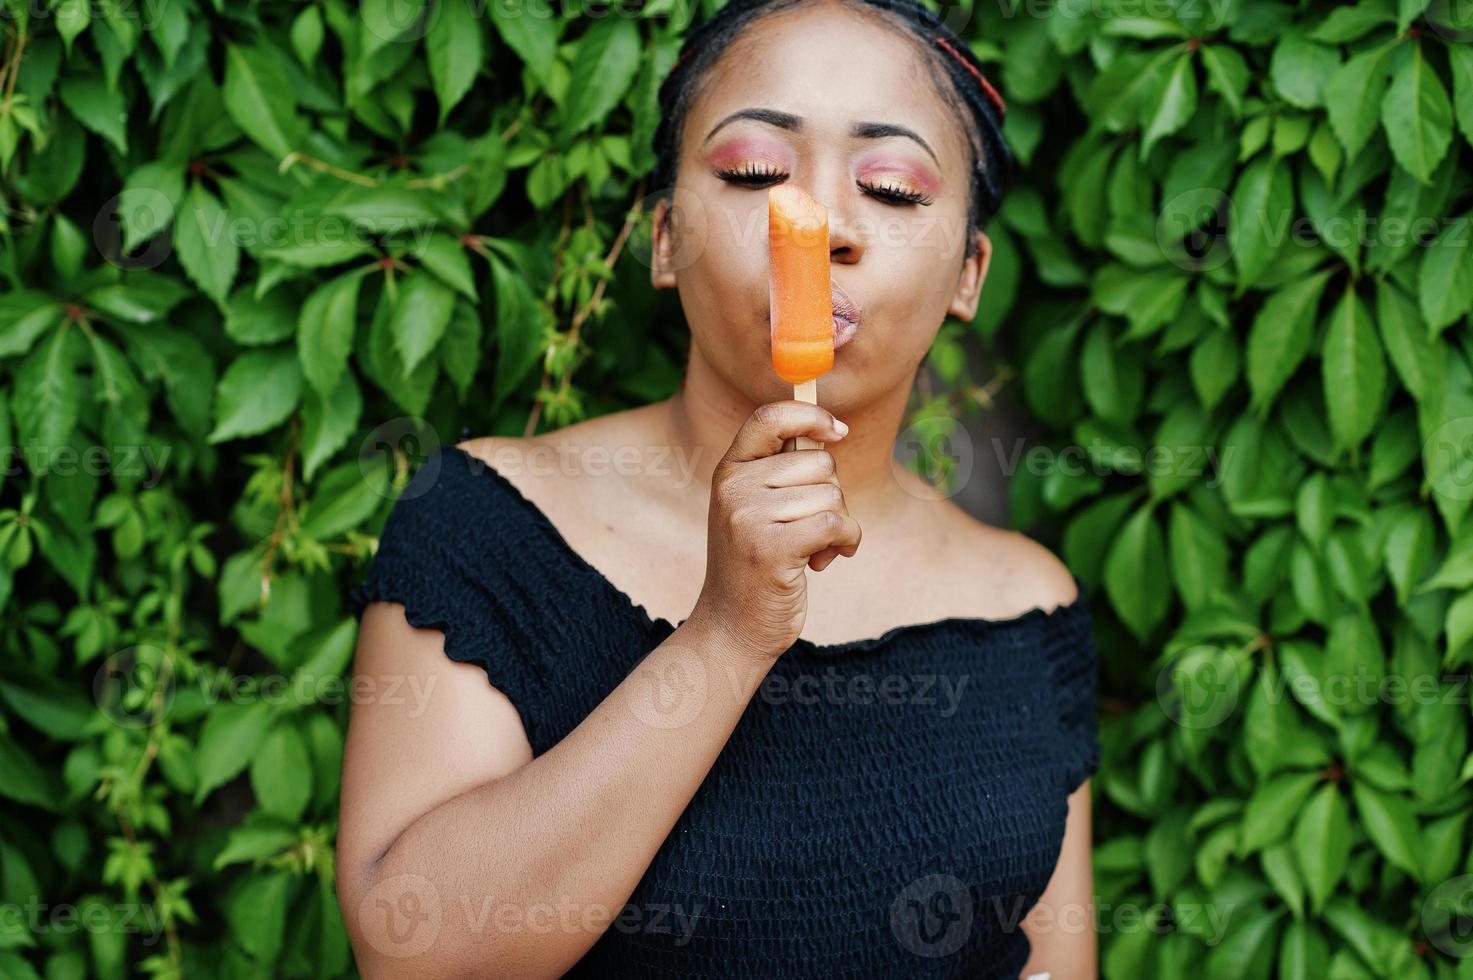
[692, 758]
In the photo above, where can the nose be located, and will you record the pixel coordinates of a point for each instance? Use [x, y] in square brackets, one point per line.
[846, 244]
[846, 240]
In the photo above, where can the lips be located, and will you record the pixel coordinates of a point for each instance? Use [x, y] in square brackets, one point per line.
[847, 316]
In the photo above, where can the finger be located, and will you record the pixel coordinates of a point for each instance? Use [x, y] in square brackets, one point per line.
[789, 504]
[765, 431]
[809, 535]
[802, 467]
[824, 558]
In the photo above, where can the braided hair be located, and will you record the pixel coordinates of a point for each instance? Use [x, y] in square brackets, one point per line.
[951, 62]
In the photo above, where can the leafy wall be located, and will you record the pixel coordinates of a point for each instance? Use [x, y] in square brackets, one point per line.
[257, 258]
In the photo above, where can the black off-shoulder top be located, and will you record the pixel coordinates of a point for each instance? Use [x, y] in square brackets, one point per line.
[887, 807]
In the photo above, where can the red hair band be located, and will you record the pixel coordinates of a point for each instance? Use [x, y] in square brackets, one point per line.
[986, 85]
[946, 46]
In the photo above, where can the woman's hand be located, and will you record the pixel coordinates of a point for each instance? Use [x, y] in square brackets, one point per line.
[773, 514]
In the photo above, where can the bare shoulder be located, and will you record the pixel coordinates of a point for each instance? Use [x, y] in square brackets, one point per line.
[569, 465]
[1017, 573]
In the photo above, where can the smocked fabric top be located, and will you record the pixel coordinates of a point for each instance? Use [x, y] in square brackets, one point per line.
[888, 807]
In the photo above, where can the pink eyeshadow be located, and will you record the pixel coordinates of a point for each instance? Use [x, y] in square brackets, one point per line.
[915, 176]
[738, 152]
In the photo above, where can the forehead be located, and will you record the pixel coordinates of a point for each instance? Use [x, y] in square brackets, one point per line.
[833, 65]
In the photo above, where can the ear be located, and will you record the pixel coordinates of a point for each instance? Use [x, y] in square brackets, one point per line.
[662, 247]
[969, 283]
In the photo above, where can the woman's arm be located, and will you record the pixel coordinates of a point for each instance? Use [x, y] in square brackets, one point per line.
[1061, 927]
[461, 855]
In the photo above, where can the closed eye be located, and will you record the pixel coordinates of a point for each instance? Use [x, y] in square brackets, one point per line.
[759, 177]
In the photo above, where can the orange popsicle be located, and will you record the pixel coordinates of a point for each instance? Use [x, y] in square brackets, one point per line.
[802, 305]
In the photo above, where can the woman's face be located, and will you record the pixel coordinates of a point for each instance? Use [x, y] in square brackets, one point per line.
[846, 109]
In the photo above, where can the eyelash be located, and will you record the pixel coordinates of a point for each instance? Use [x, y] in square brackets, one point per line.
[751, 176]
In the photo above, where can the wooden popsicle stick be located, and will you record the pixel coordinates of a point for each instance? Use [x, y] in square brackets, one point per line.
[806, 392]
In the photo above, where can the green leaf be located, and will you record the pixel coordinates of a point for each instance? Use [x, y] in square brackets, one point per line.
[152, 195]
[1303, 953]
[1263, 202]
[608, 57]
[1215, 365]
[67, 247]
[1299, 68]
[1391, 825]
[1445, 279]
[22, 779]
[328, 422]
[254, 322]
[1409, 551]
[47, 395]
[257, 393]
[1281, 336]
[254, 843]
[260, 99]
[1322, 844]
[307, 35]
[1459, 624]
[1227, 74]
[1354, 371]
[421, 314]
[281, 773]
[1175, 106]
[1199, 558]
[518, 327]
[143, 298]
[72, 18]
[325, 330]
[1408, 342]
[1418, 116]
[25, 314]
[446, 257]
[1272, 808]
[454, 50]
[460, 350]
[206, 248]
[1460, 60]
[1353, 97]
[1135, 574]
[232, 734]
[344, 499]
[256, 910]
[97, 107]
[533, 38]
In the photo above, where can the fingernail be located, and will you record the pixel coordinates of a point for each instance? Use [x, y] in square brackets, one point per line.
[841, 428]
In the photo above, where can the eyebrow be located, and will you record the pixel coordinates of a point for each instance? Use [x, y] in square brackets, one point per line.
[792, 123]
